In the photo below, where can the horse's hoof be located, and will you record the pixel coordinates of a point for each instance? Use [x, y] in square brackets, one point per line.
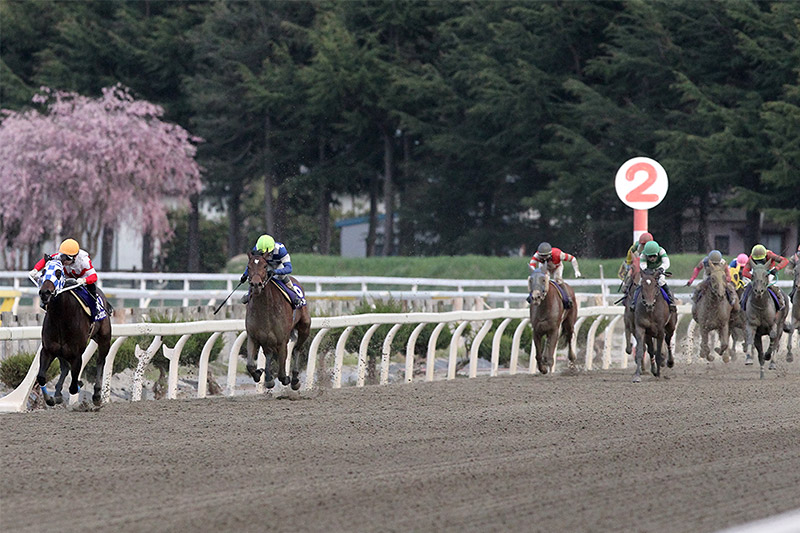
[789, 358]
[637, 379]
[670, 363]
[49, 401]
[772, 365]
[270, 384]
[59, 399]
[295, 384]
[719, 350]
[726, 359]
[767, 356]
[748, 360]
[285, 380]
[256, 374]
[710, 358]
[97, 401]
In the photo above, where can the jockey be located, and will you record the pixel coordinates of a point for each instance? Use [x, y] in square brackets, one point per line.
[655, 258]
[77, 265]
[759, 255]
[736, 267]
[553, 260]
[714, 260]
[632, 260]
[278, 259]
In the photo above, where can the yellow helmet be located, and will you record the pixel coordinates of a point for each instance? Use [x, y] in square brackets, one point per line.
[265, 244]
[69, 247]
[759, 252]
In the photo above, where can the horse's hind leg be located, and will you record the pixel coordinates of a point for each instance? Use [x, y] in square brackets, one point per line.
[269, 380]
[282, 355]
[705, 351]
[567, 331]
[75, 385]
[749, 343]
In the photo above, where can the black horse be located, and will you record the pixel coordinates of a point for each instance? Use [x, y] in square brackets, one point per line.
[66, 331]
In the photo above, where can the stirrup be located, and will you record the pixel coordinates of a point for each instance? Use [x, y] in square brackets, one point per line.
[245, 298]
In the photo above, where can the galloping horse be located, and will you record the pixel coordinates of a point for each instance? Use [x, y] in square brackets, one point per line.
[794, 323]
[270, 321]
[66, 330]
[652, 319]
[547, 316]
[712, 311]
[762, 316]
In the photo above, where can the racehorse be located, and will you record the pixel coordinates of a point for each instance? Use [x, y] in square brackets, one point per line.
[652, 320]
[270, 322]
[66, 331]
[712, 311]
[794, 323]
[736, 328]
[548, 315]
[762, 316]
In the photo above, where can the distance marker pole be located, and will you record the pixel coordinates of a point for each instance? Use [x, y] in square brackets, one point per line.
[639, 223]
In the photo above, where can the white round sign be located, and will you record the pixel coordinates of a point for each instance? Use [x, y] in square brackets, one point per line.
[641, 183]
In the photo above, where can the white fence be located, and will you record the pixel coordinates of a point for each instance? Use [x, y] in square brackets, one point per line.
[612, 331]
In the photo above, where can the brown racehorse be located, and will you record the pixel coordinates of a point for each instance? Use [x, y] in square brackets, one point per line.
[65, 334]
[712, 311]
[270, 322]
[652, 321]
[548, 315]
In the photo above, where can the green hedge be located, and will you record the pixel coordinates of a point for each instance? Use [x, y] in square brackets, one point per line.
[14, 368]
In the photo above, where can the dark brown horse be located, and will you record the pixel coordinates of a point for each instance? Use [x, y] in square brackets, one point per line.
[762, 316]
[65, 333]
[652, 320]
[270, 322]
[548, 315]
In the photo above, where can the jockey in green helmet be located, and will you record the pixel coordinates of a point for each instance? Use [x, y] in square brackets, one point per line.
[278, 259]
[655, 258]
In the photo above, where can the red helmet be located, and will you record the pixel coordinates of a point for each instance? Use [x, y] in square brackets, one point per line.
[645, 237]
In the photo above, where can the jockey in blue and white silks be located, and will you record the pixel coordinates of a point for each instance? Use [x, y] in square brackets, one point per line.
[278, 260]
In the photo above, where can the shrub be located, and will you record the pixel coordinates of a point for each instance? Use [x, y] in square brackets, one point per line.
[14, 369]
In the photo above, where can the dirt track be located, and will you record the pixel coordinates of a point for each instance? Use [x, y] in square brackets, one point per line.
[593, 452]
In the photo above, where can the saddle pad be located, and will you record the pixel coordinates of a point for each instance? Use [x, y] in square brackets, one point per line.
[82, 295]
[297, 289]
[562, 292]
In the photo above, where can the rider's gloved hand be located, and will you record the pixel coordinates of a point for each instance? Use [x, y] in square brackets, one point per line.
[80, 281]
[243, 278]
[772, 271]
[33, 273]
[578, 274]
[689, 283]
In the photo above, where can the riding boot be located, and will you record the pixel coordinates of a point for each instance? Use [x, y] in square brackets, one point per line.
[92, 288]
[567, 299]
[295, 298]
[528, 298]
[672, 306]
[246, 297]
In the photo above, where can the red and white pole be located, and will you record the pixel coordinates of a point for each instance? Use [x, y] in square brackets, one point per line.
[639, 223]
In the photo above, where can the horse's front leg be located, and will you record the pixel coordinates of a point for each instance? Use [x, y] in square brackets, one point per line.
[283, 353]
[790, 331]
[705, 351]
[550, 355]
[760, 350]
[58, 398]
[45, 359]
[640, 345]
[774, 338]
[252, 353]
[269, 379]
[540, 343]
[749, 342]
[659, 354]
[75, 385]
[724, 335]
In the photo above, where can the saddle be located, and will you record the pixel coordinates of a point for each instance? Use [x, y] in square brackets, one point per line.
[564, 296]
[84, 298]
[775, 298]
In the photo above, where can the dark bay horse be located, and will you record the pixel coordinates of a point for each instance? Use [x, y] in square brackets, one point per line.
[794, 320]
[270, 322]
[652, 320]
[712, 312]
[762, 317]
[66, 331]
[548, 315]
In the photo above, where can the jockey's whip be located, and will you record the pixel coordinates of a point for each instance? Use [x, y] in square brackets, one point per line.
[226, 298]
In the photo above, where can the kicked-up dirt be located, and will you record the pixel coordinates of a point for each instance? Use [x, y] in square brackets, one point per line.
[711, 447]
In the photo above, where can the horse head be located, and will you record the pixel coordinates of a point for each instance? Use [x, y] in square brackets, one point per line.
[258, 272]
[759, 280]
[716, 280]
[650, 291]
[51, 282]
[540, 280]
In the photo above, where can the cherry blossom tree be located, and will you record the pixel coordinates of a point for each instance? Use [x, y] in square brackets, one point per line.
[76, 165]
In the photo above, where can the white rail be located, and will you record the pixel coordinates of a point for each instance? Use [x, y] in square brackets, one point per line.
[17, 400]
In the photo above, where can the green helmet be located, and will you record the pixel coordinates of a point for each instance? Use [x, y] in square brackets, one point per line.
[265, 244]
[651, 248]
[759, 252]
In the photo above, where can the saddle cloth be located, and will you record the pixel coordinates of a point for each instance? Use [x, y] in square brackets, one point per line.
[564, 295]
[84, 298]
[297, 289]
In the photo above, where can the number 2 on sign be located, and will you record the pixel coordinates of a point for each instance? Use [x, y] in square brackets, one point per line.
[638, 194]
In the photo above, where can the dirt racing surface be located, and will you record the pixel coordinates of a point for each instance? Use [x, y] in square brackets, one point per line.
[709, 448]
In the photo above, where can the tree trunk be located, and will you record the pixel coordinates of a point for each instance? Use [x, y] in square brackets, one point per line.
[147, 252]
[108, 248]
[406, 223]
[235, 219]
[702, 224]
[373, 216]
[193, 235]
[388, 193]
[269, 182]
[324, 207]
